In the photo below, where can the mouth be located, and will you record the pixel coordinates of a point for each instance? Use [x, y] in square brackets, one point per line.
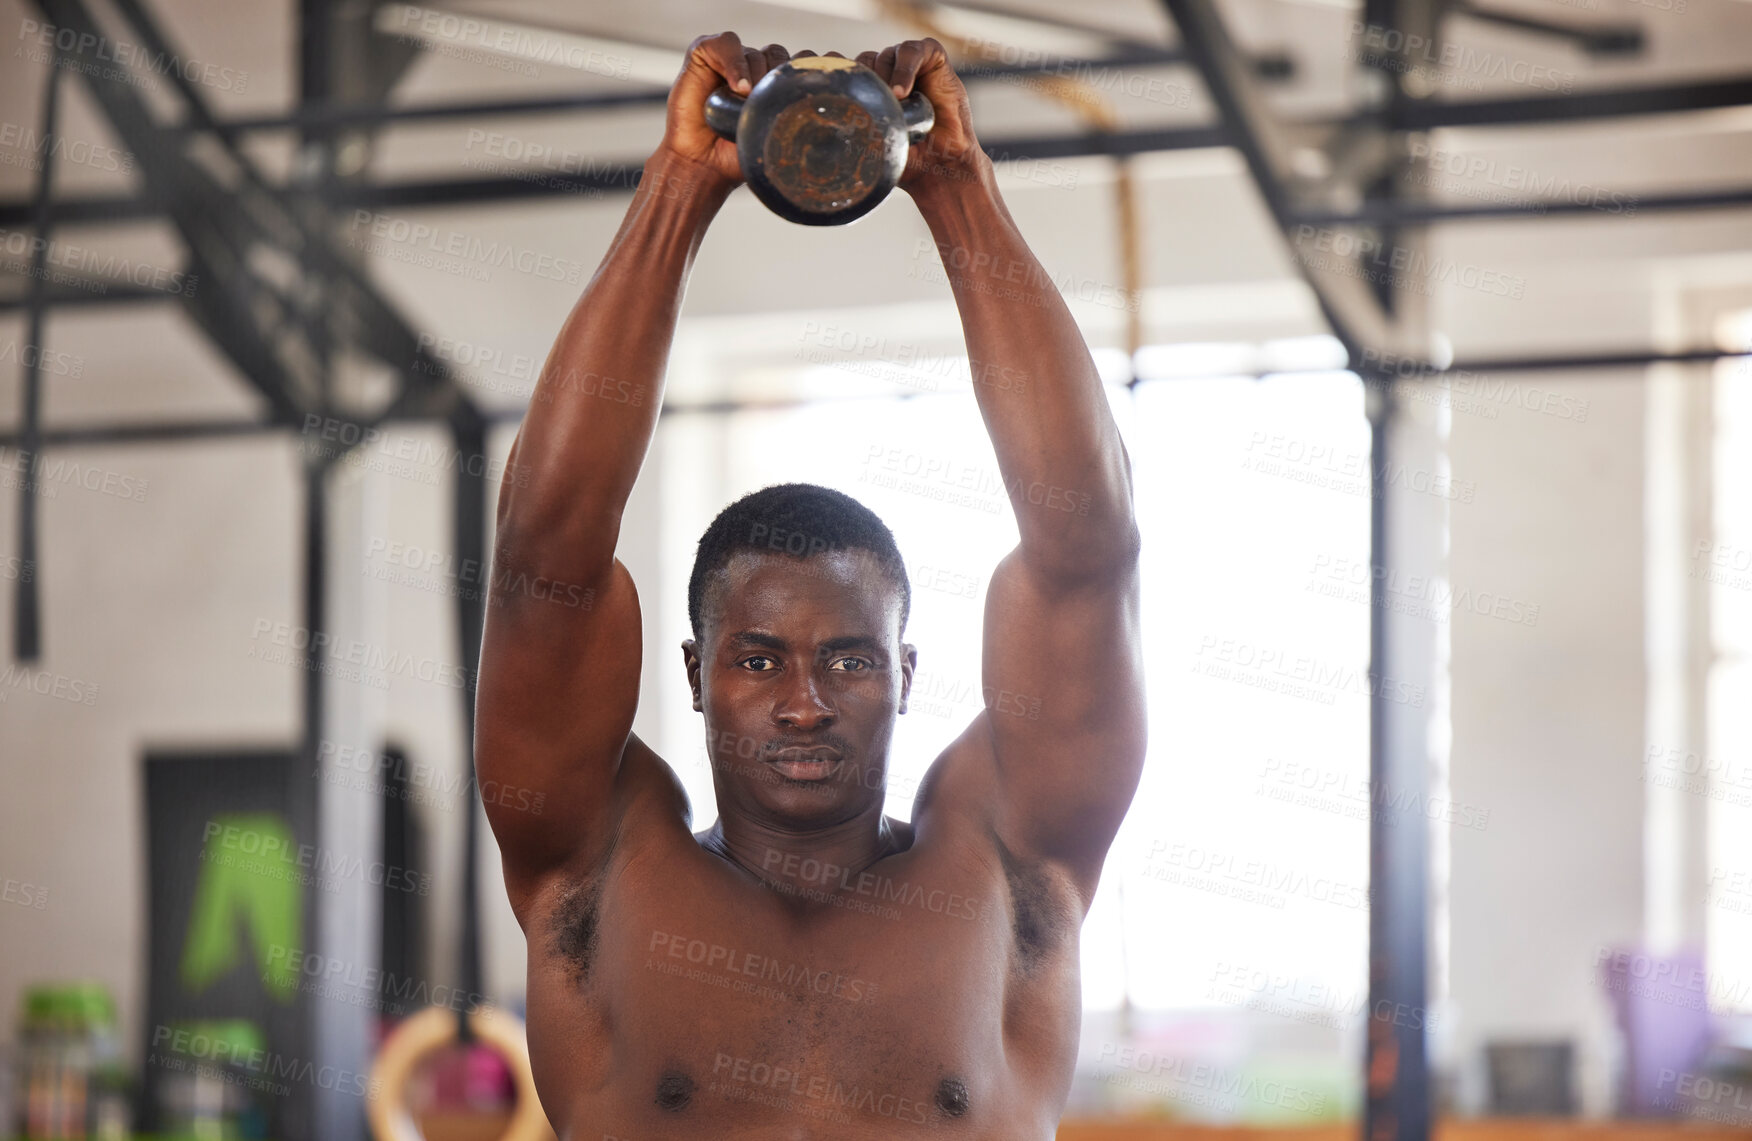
[806, 764]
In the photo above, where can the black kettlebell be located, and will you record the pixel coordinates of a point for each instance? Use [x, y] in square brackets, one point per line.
[821, 139]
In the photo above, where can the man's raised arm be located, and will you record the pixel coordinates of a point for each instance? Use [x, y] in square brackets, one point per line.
[559, 679]
[1063, 676]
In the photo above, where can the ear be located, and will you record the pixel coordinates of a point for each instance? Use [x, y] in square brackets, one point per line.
[690, 658]
[909, 661]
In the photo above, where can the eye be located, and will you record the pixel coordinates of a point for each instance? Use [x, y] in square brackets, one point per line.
[849, 665]
[760, 663]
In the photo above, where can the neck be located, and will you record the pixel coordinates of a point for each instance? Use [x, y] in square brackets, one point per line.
[798, 863]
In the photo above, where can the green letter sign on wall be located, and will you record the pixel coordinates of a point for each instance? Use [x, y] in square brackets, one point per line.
[248, 872]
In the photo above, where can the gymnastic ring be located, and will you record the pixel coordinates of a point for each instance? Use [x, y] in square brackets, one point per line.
[420, 1035]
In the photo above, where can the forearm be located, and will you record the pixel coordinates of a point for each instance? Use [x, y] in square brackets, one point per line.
[1057, 445]
[596, 403]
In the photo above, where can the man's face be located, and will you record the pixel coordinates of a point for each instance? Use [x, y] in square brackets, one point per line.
[800, 676]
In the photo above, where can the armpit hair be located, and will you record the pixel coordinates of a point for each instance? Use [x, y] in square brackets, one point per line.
[1039, 917]
[574, 928]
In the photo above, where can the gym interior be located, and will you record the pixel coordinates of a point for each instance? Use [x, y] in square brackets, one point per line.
[1426, 324]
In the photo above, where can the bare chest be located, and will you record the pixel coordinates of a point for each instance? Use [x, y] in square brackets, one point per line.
[899, 997]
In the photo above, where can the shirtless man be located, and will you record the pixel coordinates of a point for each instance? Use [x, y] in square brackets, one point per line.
[809, 967]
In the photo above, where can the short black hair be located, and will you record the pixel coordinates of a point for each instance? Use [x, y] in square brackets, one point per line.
[799, 520]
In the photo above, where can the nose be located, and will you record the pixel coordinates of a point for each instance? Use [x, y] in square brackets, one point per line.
[803, 703]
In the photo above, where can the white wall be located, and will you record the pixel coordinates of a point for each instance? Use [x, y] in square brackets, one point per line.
[1548, 721]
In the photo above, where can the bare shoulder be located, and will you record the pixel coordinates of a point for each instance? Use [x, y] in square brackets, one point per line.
[649, 812]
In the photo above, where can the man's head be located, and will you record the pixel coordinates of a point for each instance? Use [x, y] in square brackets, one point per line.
[798, 600]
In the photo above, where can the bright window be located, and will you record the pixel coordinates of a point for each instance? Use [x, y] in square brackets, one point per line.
[1726, 563]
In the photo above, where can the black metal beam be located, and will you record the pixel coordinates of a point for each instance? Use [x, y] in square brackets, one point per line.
[149, 432]
[94, 209]
[375, 115]
[100, 292]
[1627, 359]
[1396, 1078]
[1659, 99]
[160, 432]
[315, 172]
[1115, 143]
[607, 177]
[1605, 204]
[471, 499]
[27, 591]
[1595, 38]
[1263, 141]
[314, 604]
[1654, 99]
[316, 57]
[621, 178]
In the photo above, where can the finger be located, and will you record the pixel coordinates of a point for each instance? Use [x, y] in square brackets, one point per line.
[804, 54]
[775, 55]
[722, 54]
[757, 63]
[885, 65]
[836, 55]
[868, 59]
[908, 58]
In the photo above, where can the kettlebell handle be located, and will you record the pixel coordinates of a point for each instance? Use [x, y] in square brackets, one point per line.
[724, 108]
